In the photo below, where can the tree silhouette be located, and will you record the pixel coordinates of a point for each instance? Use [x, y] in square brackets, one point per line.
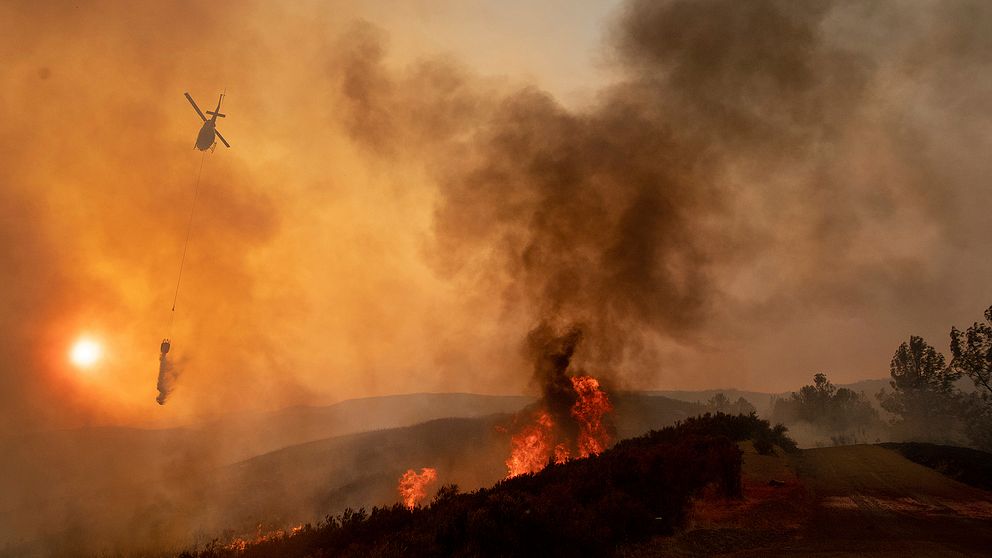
[918, 366]
[840, 412]
[814, 400]
[923, 397]
[720, 403]
[971, 352]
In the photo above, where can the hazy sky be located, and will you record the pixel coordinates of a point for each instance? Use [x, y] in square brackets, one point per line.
[721, 193]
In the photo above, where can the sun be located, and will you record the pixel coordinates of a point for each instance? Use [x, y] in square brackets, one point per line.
[85, 353]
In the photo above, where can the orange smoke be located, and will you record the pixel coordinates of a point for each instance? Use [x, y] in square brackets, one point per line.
[412, 486]
[536, 443]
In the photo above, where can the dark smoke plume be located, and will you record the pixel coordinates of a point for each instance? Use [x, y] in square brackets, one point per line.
[573, 417]
[722, 181]
[551, 352]
[577, 218]
[615, 216]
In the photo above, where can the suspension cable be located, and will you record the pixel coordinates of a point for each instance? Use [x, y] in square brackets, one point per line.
[189, 229]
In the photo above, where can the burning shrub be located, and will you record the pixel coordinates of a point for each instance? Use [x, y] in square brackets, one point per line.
[589, 409]
[542, 441]
[413, 486]
[531, 447]
[570, 417]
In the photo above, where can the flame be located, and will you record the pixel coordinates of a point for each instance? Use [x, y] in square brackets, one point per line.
[531, 447]
[412, 485]
[588, 411]
[240, 544]
[536, 443]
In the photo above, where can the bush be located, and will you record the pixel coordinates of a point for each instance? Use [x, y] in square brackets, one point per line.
[764, 446]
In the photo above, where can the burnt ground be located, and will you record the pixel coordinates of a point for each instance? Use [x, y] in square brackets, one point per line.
[843, 501]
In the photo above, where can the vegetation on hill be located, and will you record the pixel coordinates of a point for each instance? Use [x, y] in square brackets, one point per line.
[927, 402]
[720, 403]
[98, 479]
[843, 415]
[639, 488]
[928, 398]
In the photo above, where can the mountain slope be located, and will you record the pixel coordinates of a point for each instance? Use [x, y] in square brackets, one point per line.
[187, 495]
[97, 482]
[640, 487]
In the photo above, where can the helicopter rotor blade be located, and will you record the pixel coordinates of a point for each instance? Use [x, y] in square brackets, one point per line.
[196, 108]
[221, 138]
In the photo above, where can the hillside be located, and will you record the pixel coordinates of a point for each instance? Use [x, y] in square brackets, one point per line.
[639, 488]
[848, 501]
[871, 499]
[195, 497]
[94, 481]
[195, 502]
[967, 465]
[259, 433]
[303, 482]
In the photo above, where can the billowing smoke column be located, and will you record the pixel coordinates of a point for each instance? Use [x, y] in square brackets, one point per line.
[625, 215]
[577, 218]
[552, 353]
[167, 374]
[570, 420]
[746, 150]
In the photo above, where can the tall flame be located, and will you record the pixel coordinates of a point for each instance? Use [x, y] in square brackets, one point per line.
[538, 441]
[588, 411]
[413, 485]
[531, 447]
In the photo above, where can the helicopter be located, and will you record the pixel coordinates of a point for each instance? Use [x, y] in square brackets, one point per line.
[205, 139]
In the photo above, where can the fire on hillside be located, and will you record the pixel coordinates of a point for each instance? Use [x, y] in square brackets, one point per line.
[413, 486]
[570, 420]
[542, 440]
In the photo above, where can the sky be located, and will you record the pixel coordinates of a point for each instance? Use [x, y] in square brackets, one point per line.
[718, 194]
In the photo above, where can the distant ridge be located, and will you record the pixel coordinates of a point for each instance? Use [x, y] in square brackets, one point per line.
[762, 401]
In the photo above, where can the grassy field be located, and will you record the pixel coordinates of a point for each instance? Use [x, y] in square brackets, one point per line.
[861, 500]
[967, 465]
[873, 500]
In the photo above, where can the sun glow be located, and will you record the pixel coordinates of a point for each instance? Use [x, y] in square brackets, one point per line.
[85, 353]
